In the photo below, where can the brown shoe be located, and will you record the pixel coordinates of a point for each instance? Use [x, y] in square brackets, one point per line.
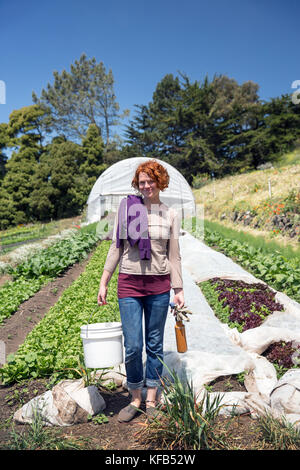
[127, 413]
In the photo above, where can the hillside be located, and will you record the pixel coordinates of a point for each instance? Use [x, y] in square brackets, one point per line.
[262, 202]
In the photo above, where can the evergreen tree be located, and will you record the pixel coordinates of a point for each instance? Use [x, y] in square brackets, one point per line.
[92, 151]
[81, 97]
[17, 183]
[217, 127]
[7, 210]
[92, 165]
[56, 193]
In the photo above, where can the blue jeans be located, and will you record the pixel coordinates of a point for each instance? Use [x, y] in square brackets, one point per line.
[155, 308]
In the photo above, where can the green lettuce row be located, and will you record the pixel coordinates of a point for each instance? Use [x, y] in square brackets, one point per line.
[53, 260]
[274, 269]
[16, 292]
[54, 345]
[31, 275]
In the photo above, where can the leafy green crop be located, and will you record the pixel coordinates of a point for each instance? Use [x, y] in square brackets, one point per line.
[47, 264]
[54, 259]
[12, 294]
[54, 345]
[273, 268]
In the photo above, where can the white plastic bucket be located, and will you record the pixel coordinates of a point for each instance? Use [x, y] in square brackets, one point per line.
[102, 344]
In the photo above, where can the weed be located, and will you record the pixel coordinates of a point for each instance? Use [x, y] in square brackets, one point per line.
[37, 437]
[184, 422]
[282, 434]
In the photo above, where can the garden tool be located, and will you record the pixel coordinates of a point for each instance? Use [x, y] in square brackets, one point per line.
[180, 315]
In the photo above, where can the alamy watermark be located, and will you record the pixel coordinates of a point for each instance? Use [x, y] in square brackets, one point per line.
[296, 94]
[133, 222]
[2, 92]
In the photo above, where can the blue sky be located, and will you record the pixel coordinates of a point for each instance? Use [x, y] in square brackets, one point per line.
[141, 41]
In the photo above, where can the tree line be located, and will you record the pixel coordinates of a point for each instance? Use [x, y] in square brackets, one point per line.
[217, 127]
[62, 142]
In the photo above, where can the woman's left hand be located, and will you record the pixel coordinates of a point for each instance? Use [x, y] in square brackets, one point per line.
[179, 298]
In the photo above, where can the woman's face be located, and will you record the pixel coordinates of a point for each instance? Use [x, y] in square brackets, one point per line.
[148, 187]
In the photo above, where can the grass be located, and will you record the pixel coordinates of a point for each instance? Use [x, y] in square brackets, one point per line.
[257, 241]
[39, 437]
[184, 422]
[32, 233]
[247, 189]
[280, 433]
[187, 423]
[251, 191]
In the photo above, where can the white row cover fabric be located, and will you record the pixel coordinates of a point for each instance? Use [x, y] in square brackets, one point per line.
[216, 350]
[69, 402]
[115, 183]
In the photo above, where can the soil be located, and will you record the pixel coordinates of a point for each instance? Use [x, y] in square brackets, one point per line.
[241, 431]
[15, 328]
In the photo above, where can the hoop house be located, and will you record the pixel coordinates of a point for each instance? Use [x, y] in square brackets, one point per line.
[115, 183]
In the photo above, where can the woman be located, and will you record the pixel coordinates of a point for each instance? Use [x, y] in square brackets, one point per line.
[146, 247]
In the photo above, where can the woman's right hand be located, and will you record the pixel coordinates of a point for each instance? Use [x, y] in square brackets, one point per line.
[102, 295]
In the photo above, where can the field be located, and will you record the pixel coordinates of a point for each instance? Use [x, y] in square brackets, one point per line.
[47, 292]
[106, 435]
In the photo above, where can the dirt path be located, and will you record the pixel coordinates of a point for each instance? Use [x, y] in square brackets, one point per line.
[15, 328]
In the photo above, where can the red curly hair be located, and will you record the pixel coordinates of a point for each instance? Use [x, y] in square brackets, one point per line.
[155, 171]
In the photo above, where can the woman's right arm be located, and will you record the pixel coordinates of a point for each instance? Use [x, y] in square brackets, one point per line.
[112, 260]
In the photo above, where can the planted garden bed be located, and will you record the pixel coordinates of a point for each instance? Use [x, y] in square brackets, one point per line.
[245, 306]
[29, 276]
[284, 355]
[239, 304]
[276, 270]
[54, 345]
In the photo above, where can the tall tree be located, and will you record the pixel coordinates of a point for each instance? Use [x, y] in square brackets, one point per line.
[25, 138]
[215, 126]
[81, 97]
[236, 112]
[175, 126]
[55, 191]
[92, 150]
[92, 165]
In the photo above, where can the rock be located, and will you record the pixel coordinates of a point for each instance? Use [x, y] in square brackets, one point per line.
[247, 220]
[68, 403]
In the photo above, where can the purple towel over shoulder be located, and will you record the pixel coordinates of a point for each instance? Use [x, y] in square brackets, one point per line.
[133, 225]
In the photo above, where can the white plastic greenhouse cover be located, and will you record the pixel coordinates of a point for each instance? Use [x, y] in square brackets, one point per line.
[115, 183]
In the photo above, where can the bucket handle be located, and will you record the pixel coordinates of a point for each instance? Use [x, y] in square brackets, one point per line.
[86, 333]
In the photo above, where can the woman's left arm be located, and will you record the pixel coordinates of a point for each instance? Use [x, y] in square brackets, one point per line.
[174, 258]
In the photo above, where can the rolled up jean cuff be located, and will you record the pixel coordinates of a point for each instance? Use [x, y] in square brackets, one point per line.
[153, 383]
[135, 386]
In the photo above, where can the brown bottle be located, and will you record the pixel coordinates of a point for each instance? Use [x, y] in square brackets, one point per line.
[180, 337]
